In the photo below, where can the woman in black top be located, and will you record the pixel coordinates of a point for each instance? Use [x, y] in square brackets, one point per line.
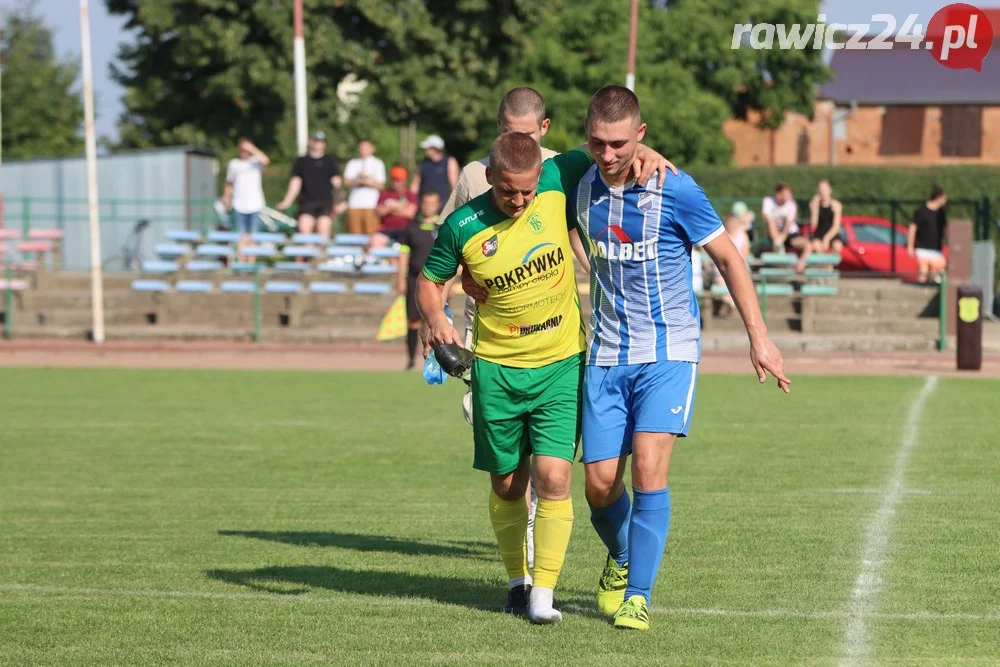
[926, 236]
[824, 220]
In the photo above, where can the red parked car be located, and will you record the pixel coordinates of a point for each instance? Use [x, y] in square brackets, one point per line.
[868, 247]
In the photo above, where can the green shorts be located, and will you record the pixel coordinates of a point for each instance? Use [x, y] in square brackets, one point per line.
[522, 411]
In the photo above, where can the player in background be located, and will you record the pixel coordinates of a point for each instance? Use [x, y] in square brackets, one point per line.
[642, 361]
[528, 337]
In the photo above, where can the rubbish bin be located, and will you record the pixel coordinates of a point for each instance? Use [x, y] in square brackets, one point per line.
[969, 332]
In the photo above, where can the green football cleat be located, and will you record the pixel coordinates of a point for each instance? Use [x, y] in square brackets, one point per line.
[611, 587]
[633, 614]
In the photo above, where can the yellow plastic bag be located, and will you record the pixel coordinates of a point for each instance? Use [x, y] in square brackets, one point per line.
[394, 323]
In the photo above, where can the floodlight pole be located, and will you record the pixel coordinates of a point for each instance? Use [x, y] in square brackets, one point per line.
[96, 278]
[301, 119]
[633, 31]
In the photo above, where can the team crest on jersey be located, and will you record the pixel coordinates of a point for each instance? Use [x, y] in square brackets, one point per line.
[535, 224]
[490, 246]
[645, 202]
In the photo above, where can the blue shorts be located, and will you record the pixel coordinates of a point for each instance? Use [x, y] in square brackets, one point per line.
[620, 400]
[246, 223]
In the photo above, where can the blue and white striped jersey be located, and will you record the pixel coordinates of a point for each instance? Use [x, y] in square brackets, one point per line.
[639, 242]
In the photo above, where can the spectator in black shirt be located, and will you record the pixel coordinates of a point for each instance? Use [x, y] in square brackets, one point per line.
[415, 243]
[926, 236]
[315, 181]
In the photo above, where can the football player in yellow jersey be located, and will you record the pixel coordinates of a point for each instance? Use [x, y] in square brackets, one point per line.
[528, 337]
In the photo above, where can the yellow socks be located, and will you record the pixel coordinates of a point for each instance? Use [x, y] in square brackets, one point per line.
[510, 523]
[553, 525]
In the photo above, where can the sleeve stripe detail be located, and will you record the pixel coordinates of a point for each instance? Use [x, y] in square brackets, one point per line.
[434, 279]
[711, 237]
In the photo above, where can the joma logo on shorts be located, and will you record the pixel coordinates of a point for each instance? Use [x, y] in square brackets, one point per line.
[528, 329]
[537, 266]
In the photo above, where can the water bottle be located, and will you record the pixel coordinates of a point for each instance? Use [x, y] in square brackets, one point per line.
[432, 370]
[433, 374]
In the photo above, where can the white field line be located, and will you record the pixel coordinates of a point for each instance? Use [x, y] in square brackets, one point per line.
[856, 647]
[36, 591]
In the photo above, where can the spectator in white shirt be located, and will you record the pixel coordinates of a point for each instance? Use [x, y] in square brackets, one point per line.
[781, 214]
[365, 175]
[244, 193]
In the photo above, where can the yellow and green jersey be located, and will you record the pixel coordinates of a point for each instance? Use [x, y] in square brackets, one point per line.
[531, 317]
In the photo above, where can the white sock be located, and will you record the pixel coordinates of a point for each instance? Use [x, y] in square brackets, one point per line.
[520, 581]
[540, 606]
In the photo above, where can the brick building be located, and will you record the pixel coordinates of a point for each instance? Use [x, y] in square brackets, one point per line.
[896, 106]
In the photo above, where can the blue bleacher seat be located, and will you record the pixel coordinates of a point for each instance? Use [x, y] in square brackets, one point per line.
[327, 287]
[282, 287]
[223, 237]
[193, 286]
[171, 250]
[246, 267]
[337, 268]
[260, 251]
[236, 287]
[344, 251]
[379, 269]
[183, 235]
[292, 267]
[818, 290]
[150, 286]
[300, 251]
[268, 237]
[372, 288]
[352, 239]
[385, 253]
[160, 266]
[212, 250]
[310, 239]
[203, 265]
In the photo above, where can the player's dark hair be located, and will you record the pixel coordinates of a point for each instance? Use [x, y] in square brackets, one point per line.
[936, 191]
[430, 193]
[522, 101]
[781, 186]
[515, 152]
[613, 104]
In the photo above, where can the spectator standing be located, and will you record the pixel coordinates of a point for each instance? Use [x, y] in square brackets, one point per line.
[781, 214]
[396, 208]
[365, 175]
[244, 192]
[416, 241]
[438, 171]
[314, 182]
[926, 236]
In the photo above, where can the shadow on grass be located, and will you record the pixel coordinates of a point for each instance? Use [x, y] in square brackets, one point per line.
[300, 579]
[379, 543]
[304, 578]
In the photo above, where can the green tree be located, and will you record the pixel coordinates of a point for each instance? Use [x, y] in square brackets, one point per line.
[688, 77]
[206, 72]
[42, 110]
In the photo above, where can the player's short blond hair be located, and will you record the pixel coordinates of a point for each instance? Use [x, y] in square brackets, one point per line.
[515, 152]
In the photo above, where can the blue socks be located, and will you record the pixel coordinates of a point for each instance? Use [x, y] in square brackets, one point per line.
[611, 524]
[647, 538]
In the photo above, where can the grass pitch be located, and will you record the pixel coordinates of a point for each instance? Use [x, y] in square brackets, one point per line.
[236, 518]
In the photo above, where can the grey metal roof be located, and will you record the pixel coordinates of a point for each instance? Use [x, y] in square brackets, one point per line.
[909, 76]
